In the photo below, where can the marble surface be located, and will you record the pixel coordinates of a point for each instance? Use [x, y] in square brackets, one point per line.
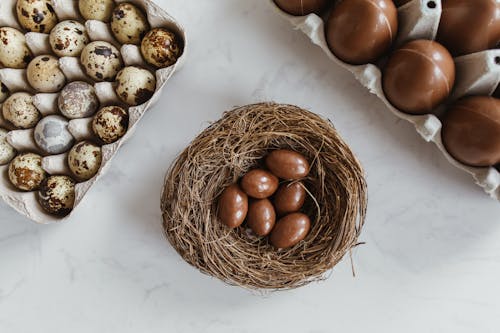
[432, 256]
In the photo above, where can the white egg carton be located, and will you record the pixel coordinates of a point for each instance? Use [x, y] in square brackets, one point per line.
[15, 79]
[476, 74]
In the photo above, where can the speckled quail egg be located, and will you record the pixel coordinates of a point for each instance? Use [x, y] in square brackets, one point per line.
[7, 152]
[57, 195]
[36, 15]
[96, 9]
[26, 172]
[128, 24]
[84, 160]
[135, 85]
[52, 135]
[101, 61]
[68, 38]
[44, 74]
[110, 123]
[20, 111]
[4, 92]
[161, 48]
[78, 100]
[14, 52]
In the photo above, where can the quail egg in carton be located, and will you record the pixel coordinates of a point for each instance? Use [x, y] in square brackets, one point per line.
[76, 77]
[473, 71]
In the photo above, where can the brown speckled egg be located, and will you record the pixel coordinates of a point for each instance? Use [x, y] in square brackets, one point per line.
[96, 9]
[161, 48]
[44, 74]
[57, 195]
[7, 152]
[128, 24]
[110, 124]
[135, 85]
[26, 173]
[36, 15]
[84, 160]
[19, 110]
[101, 61]
[14, 52]
[4, 92]
[78, 100]
[68, 39]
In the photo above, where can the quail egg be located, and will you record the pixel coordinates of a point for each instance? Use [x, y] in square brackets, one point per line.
[26, 172]
[78, 100]
[20, 111]
[44, 74]
[161, 48]
[57, 195]
[101, 60]
[128, 24]
[4, 92]
[96, 9]
[110, 123]
[135, 85]
[68, 39]
[7, 152]
[84, 160]
[52, 135]
[36, 15]
[14, 52]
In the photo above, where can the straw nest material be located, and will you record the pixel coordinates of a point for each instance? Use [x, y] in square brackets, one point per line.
[224, 152]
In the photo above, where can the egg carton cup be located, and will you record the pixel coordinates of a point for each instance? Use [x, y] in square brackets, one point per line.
[15, 79]
[476, 74]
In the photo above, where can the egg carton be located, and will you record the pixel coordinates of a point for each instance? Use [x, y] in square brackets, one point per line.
[15, 79]
[476, 74]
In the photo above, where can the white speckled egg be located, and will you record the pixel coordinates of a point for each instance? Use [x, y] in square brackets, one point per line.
[110, 123]
[52, 135]
[78, 100]
[14, 52]
[7, 152]
[26, 173]
[96, 9]
[101, 61]
[135, 85]
[57, 195]
[68, 39]
[20, 111]
[161, 47]
[128, 24]
[4, 92]
[36, 15]
[84, 160]
[44, 74]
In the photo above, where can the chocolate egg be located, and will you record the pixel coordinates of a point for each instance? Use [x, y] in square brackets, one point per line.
[361, 31]
[290, 230]
[259, 184]
[289, 198]
[419, 76]
[302, 7]
[287, 164]
[471, 131]
[57, 195]
[469, 26]
[26, 172]
[261, 216]
[232, 206]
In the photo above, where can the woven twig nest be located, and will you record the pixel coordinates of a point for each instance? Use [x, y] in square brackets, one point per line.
[228, 149]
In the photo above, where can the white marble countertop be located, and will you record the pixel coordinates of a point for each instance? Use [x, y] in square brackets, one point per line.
[431, 262]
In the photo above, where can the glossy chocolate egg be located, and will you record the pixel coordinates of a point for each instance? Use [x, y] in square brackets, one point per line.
[259, 184]
[419, 76]
[289, 198]
[471, 131]
[469, 26]
[233, 206]
[290, 230]
[287, 164]
[361, 31]
[261, 217]
[302, 7]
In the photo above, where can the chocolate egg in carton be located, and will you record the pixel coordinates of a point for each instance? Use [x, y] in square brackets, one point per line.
[16, 80]
[476, 74]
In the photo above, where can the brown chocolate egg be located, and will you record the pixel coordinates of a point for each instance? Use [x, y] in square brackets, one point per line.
[419, 76]
[287, 164]
[290, 230]
[302, 7]
[361, 31]
[261, 217]
[289, 198]
[471, 131]
[233, 206]
[259, 184]
[469, 26]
